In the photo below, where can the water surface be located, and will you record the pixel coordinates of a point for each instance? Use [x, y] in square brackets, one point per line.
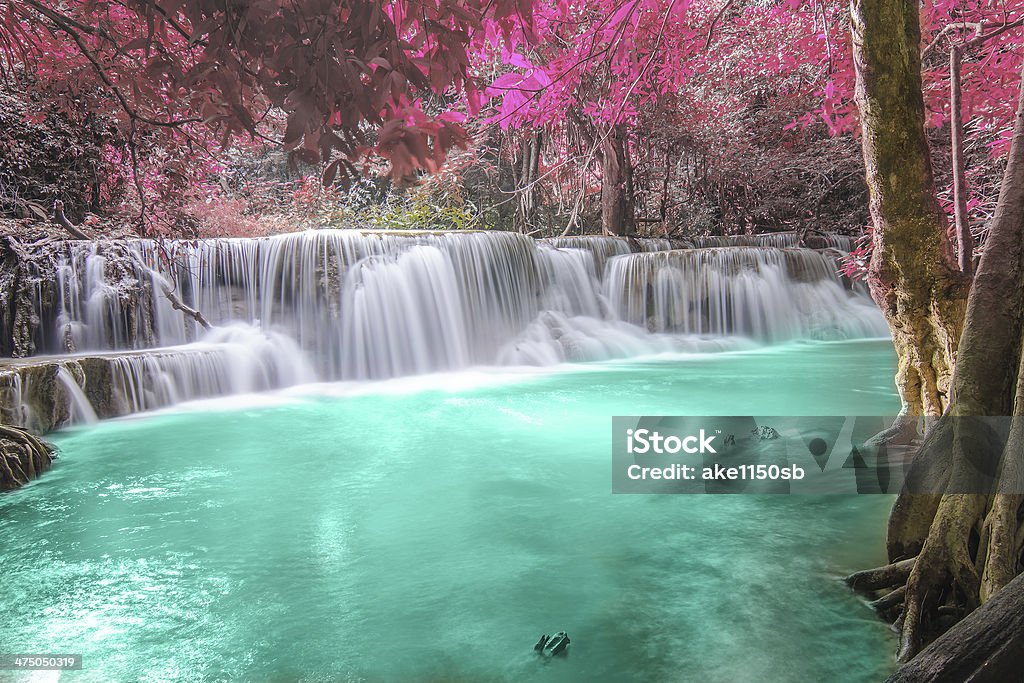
[432, 528]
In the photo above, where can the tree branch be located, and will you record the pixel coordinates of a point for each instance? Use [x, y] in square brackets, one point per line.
[977, 28]
[62, 220]
[714, 22]
[72, 28]
[177, 305]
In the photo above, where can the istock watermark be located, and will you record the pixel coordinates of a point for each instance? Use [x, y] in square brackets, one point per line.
[645, 441]
[813, 455]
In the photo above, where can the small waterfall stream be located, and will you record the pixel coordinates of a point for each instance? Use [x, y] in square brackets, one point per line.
[78, 402]
[355, 305]
[766, 294]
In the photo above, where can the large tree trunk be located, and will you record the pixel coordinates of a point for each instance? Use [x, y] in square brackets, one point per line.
[617, 196]
[913, 275]
[967, 534]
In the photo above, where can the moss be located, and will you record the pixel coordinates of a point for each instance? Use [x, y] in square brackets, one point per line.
[913, 274]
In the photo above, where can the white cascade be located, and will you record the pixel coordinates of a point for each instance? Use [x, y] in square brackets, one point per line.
[80, 408]
[766, 294]
[348, 304]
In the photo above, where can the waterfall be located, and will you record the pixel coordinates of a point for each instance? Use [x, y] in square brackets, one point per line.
[604, 247]
[762, 293]
[840, 242]
[399, 319]
[234, 359]
[569, 282]
[358, 305]
[78, 404]
[779, 240]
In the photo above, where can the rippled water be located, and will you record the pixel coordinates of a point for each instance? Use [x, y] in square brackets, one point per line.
[433, 528]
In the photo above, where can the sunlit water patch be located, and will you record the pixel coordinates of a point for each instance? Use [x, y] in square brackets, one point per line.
[434, 531]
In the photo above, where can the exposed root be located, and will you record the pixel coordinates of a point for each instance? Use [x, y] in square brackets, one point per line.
[985, 645]
[890, 600]
[23, 457]
[951, 551]
[1003, 533]
[881, 577]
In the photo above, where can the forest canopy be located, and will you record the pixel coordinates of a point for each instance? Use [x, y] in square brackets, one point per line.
[661, 116]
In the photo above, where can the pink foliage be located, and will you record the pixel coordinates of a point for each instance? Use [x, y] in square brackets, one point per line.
[696, 63]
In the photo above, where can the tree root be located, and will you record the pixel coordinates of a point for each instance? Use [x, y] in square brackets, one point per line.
[23, 457]
[985, 646]
[890, 600]
[951, 552]
[881, 577]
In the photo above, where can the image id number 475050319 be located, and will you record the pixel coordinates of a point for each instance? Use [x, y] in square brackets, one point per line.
[27, 662]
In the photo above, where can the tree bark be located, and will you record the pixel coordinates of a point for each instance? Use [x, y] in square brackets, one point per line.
[986, 646]
[966, 536]
[62, 220]
[617, 195]
[530, 163]
[23, 457]
[986, 372]
[913, 275]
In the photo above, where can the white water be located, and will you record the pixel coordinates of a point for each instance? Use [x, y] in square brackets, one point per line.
[81, 409]
[765, 294]
[350, 305]
[605, 247]
[780, 240]
[234, 359]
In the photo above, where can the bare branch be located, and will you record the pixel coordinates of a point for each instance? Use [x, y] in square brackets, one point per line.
[714, 22]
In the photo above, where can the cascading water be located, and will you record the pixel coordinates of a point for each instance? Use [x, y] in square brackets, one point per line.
[779, 240]
[604, 247]
[763, 293]
[233, 359]
[369, 305]
[230, 360]
[81, 409]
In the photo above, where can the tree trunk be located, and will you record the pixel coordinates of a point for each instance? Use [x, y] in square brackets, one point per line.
[663, 206]
[967, 535]
[526, 208]
[913, 275]
[986, 646]
[617, 197]
[964, 238]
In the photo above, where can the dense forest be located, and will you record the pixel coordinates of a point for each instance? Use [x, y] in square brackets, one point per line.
[655, 118]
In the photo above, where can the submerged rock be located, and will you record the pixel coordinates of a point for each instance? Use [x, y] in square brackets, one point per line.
[764, 433]
[552, 646]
